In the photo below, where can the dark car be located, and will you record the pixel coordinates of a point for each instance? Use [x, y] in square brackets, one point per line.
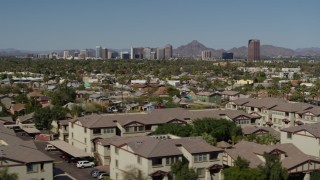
[96, 173]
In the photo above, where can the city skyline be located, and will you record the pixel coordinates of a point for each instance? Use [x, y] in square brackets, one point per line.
[44, 25]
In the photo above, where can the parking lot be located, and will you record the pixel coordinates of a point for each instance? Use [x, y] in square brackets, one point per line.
[61, 166]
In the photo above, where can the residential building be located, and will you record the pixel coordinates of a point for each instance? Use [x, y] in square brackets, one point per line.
[227, 55]
[60, 128]
[209, 97]
[23, 158]
[278, 113]
[232, 95]
[294, 160]
[83, 131]
[206, 55]
[154, 156]
[168, 51]
[305, 137]
[253, 50]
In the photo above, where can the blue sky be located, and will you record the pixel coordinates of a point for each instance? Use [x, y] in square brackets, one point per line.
[68, 24]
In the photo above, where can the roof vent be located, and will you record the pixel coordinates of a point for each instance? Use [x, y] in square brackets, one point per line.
[115, 121]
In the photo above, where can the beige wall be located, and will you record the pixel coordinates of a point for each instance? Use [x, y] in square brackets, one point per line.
[46, 174]
[306, 143]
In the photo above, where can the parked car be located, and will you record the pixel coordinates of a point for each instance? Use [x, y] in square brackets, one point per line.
[96, 173]
[50, 147]
[83, 164]
[103, 175]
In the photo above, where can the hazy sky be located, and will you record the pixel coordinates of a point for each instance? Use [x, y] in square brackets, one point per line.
[66, 24]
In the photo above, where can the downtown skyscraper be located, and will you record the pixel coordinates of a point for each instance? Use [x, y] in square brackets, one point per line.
[253, 50]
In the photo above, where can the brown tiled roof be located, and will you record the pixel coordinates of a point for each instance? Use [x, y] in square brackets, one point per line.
[25, 117]
[313, 129]
[107, 141]
[248, 130]
[6, 119]
[223, 144]
[17, 107]
[35, 94]
[161, 91]
[230, 93]
[292, 107]
[251, 150]
[19, 150]
[150, 147]
[205, 93]
[157, 116]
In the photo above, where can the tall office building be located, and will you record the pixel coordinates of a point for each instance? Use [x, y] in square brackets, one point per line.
[124, 55]
[168, 51]
[227, 55]
[160, 53]
[136, 53]
[66, 54]
[253, 50]
[98, 52]
[83, 54]
[104, 53]
[206, 55]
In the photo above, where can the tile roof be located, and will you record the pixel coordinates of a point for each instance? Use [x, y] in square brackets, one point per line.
[18, 107]
[251, 150]
[311, 128]
[150, 147]
[230, 93]
[6, 119]
[19, 150]
[248, 130]
[26, 117]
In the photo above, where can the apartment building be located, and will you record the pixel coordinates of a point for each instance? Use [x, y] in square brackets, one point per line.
[85, 130]
[277, 113]
[153, 157]
[294, 160]
[23, 158]
[61, 129]
[305, 137]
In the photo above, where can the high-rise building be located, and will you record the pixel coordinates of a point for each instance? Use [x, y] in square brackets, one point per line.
[124, 55]
[227, 55]
[160, 53]
[66, 54]
[98, 52]
[136, 53]
[253, 50]
[104, 53]
[83, 54]
[168, 51]
[206, 55]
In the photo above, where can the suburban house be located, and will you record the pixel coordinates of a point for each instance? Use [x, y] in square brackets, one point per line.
[23, 158]
[153, 156]
[294, 160]
[83, 131]
[17, 108]
[277, 113]
[25, 121]
[231, 95]
[258, 131]
[306, 137]
[209, 97]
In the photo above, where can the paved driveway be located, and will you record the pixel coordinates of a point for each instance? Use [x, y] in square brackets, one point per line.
[61, 166]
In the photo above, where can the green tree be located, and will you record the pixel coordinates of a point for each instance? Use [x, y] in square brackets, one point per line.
[273, 170]
[315, 175]
[43, 117]
[21, 98]
[181, 171]
[241, 171]
[209, 139]
[175, 129]
[5, 175]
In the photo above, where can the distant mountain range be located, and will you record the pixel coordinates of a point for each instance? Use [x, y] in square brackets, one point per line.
[194, 48]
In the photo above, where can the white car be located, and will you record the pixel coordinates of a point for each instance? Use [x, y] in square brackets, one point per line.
[83, 164]
[50, 147]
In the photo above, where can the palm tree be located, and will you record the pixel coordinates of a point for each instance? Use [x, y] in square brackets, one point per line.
[5, 175]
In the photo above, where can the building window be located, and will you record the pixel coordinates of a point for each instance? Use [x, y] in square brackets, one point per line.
[32, 168]
[85, 140]
[116, 150]
[200, 172]
[72, 125]
[42, 166]
[213, 156]
[96, 131]
[200, 157]
[72, 134]
[171, 160]
[156, 161]
[139, 159]
[85, 130]
[117, 163]
[289, 135]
